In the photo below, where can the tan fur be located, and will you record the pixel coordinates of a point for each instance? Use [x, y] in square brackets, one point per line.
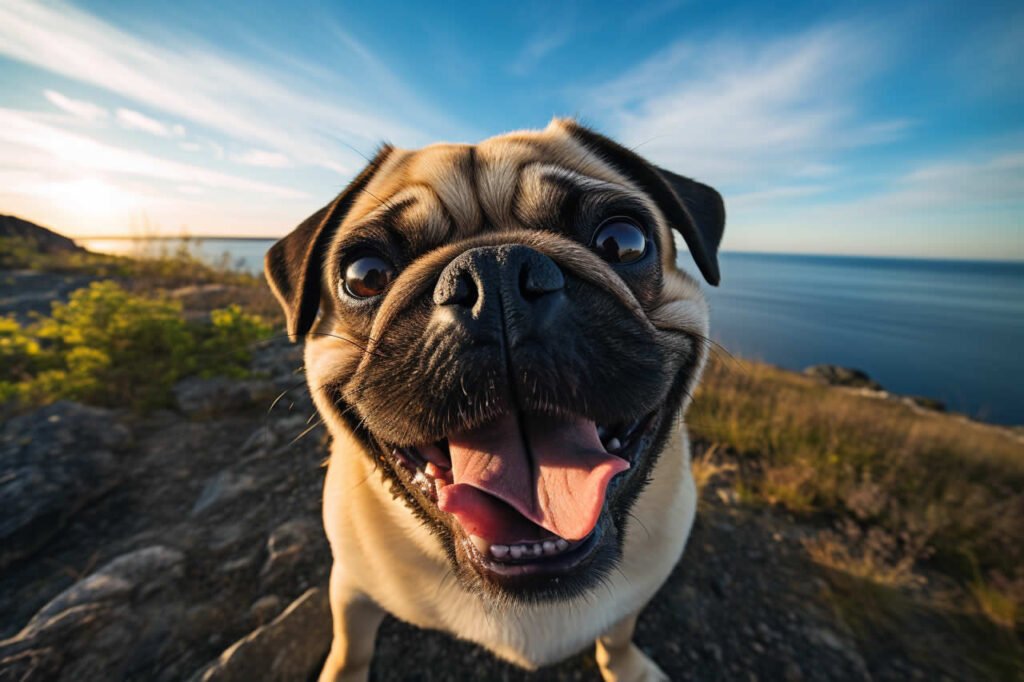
[386, 560]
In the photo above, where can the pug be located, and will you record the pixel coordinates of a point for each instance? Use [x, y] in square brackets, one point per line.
[502, 347]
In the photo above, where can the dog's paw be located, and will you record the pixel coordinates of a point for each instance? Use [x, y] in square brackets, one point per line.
[632, 665]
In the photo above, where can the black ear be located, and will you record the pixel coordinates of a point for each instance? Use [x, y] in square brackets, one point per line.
[694, 209]
[293, 265]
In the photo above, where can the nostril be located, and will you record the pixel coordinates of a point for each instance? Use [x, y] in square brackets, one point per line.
[464, 293]
[537, 279]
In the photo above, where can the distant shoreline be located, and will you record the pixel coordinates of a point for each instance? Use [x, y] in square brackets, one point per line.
[783, 254]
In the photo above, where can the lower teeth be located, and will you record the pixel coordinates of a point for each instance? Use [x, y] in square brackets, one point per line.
[520, 551]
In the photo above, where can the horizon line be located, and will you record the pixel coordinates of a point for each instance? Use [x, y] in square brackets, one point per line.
[739, 252]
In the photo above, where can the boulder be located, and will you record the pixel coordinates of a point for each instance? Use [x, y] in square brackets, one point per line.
[100, 627]
[222, 488]
[197, 396]
[287, 545]
[53, 462]
[291, 647]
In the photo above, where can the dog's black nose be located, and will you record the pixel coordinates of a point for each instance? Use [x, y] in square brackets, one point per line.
[510, 287]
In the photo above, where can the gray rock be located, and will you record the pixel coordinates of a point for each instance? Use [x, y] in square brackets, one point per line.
[286, 546]
[843, 376]
[94, 628]
[222, 488]
[140, 573]
[291, 647]
[53, 462]
[261, 441]
[266, 608]
[196, 396]
[925, 403]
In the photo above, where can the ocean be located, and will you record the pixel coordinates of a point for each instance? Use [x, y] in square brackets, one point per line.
[951, 330]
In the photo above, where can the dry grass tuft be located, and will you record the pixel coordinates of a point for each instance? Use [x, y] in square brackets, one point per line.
[707, 466]
[908, 487]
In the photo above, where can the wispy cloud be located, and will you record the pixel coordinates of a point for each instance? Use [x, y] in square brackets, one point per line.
[264, 159]
[539, 46]
[76, 107]
[747, 114]
[193, 82]
[19, 131]
[134, 120]
[952, 207]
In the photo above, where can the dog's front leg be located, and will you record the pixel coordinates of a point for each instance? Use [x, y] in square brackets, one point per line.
[356, 620]
[622, 661]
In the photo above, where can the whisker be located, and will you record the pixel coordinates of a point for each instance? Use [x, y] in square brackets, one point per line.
[306, 431]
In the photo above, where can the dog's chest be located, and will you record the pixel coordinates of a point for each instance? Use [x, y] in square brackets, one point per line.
[382, 549]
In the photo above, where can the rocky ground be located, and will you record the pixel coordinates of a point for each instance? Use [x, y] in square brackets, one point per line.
[23, 292]
[187, 545]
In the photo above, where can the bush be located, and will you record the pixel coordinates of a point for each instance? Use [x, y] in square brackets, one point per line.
[219, 351]
[107, 346]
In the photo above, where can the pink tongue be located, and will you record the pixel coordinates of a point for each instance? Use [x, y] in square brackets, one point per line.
[556, 479]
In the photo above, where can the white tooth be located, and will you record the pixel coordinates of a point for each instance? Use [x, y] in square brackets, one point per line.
[499, 551]
[602, 431]
[549, 547]
[561, 544]
[516, 551]
[481, 545]
[538, 550]
[613, 445]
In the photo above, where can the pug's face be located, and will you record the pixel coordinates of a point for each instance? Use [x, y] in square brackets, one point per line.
[503, 328]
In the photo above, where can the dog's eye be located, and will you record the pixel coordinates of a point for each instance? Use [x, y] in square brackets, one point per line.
[368, 276]
[620, 241]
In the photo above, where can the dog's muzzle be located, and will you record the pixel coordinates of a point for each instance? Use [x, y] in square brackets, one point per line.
[500, 294]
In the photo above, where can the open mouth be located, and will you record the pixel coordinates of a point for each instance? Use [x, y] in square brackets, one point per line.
[526, 494]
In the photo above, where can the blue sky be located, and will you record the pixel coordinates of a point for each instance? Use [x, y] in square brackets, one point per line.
[852, 128]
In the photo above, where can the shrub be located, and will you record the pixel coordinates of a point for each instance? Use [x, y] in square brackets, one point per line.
[224, 347]
[108, 346]
[115, 347]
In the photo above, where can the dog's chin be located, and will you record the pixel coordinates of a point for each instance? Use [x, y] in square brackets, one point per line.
[509, 557]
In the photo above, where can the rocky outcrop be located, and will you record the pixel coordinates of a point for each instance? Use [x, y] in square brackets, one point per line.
[43, 239]
[53, 462]
[102, 626]
[198, 396]
[291, 647]
[835, 375]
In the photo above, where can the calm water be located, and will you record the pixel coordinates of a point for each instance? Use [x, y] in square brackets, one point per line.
[952, 330]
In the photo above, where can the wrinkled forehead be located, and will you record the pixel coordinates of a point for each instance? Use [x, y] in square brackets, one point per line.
[453, 191]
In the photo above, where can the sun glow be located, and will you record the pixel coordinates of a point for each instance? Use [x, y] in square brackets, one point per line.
[91, 199]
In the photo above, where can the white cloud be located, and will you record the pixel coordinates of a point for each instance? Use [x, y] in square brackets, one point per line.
[263, 159]
[948, 208]
[312, 123]
[20, 130]
[134, 120]
[190, 146]
[744, 114]
[76, 107]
